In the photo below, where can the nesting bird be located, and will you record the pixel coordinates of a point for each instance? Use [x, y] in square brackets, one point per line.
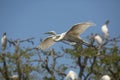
[72, 35]
[98, 39]
[105, 77]
[14, 77]
[72, 75]
[104, 29]
[4, 41]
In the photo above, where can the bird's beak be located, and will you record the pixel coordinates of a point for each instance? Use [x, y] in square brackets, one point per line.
[51, 33]
[47, 33]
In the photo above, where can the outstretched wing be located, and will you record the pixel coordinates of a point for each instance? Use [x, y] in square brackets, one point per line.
[79, 28]
[46, 43]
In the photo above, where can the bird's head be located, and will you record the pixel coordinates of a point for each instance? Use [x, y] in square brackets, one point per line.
[4, 33]
[51, 33]
[107, 22]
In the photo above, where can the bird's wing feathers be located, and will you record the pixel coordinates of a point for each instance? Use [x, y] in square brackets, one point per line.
[79, 28]
[46, 43]
[76, 30]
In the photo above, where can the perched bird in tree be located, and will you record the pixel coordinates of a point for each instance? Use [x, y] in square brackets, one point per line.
[72, 35]
[4, 41]
[104, 29]
[14, 77]
[72, 75]
[105, 77]
[98, 39]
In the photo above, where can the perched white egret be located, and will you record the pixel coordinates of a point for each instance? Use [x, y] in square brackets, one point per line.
[105, 77]
[72, 35]
[72, 75]
[104, 29]
[4, 41]
[14, 77]
[98, 39]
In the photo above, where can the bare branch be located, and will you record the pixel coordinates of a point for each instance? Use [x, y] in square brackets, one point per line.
[18, 41]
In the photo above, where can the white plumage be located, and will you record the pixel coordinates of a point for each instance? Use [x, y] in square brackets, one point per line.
[105, 77]
[46, 43]
[72, 75]
[104, 29]
[4, 41]
[72, 35]
[98, 39]
[14, 77]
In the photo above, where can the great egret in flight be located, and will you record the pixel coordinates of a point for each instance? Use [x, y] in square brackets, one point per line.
[72, 35]
[104, 29]
[105, 77]
[72, 75]
[4, 41]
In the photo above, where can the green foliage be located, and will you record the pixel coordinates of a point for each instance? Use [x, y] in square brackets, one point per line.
[33, 64]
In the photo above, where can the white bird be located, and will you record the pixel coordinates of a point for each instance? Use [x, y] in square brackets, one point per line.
[72, 35]
[105, 77]
[4, 41]
[72, 75]
[98, 39]
[14, 77]
[104, 29]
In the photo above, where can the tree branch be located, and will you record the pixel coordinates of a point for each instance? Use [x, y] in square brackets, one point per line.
[5, 68]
